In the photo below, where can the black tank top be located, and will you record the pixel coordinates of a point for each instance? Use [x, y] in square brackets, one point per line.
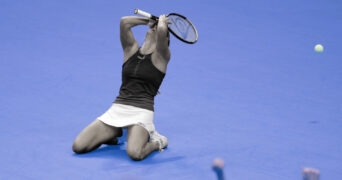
[140, 82]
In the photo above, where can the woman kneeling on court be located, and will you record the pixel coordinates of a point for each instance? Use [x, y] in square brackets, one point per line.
[143, 71]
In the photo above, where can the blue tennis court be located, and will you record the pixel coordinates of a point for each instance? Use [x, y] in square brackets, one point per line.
[251, 91]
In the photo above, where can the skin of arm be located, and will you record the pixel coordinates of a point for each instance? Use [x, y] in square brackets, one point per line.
[128, 41]
[163, 38]
[156, 40]
[162, 55]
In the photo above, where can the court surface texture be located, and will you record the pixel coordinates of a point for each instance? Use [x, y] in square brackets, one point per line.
[251, 91]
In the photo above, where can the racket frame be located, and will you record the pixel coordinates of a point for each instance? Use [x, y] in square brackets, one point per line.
[148, 15]
[190, 23]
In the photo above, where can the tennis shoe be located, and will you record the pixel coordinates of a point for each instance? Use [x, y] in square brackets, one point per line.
[160, 139]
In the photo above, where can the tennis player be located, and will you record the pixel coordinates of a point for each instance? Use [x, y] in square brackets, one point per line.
[143, 71]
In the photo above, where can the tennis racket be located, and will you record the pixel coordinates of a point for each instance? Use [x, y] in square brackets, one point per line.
[179, 26]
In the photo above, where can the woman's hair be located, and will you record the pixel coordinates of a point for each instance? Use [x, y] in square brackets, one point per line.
[167, 34]
[168, 38]
[152, 25]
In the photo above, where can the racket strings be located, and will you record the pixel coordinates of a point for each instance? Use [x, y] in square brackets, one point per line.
[182, 28]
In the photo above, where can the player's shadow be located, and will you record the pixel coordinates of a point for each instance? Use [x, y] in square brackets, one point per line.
[106, 151]
[119, 152]
[156, 158]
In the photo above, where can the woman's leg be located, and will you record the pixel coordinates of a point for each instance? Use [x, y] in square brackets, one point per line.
[138, 145]
[94, 135]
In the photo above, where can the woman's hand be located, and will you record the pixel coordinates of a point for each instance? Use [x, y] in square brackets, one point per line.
[164, 19]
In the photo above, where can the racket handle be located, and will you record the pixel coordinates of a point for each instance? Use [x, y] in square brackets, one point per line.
[145, 14]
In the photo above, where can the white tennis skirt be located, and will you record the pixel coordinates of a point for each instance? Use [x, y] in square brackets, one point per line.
[120, 115]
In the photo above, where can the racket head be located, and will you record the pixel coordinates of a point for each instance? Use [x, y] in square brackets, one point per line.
[182, 28]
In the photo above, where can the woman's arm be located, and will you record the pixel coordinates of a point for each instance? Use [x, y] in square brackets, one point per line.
[163, 37]
[128, 41]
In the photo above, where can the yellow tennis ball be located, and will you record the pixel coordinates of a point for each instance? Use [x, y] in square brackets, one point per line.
[319, 48]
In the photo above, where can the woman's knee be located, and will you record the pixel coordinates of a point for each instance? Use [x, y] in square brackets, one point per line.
[78, 147]
[137, 138]
[135, 153]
